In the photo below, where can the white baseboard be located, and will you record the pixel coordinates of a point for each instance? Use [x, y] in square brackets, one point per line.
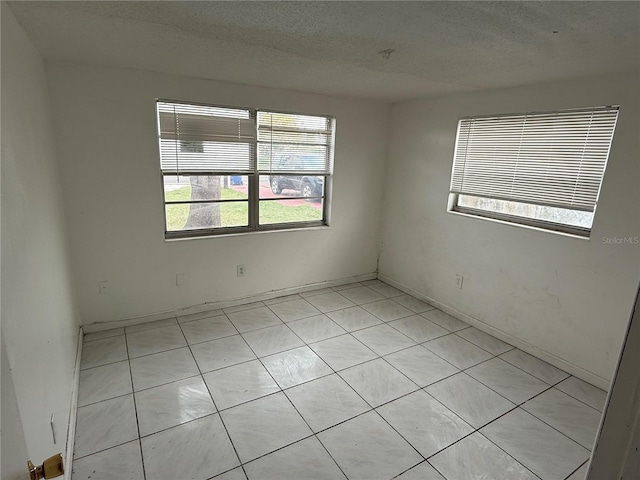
[537, 352]
[127, 322]
[71, 430]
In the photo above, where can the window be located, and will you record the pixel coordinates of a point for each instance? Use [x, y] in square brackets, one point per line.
[539, 169]
[230, 170]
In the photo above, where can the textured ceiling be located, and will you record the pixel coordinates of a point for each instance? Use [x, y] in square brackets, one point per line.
[332, 47]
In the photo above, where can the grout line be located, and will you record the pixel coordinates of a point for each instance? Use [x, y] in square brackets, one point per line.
[165, 383]
[155, 327]
[434, 467]
[103, 338]
[574, 397]
[84, 457]
[135, 407]
[105, 365]
[579, 467]
[588, 449]
[501, 356]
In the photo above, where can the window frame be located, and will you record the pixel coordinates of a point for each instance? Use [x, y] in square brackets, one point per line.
[253, 180]
[519, 220]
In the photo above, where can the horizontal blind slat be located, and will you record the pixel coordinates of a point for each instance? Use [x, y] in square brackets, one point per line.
[195, 138]
[550, 158]
[294, 143]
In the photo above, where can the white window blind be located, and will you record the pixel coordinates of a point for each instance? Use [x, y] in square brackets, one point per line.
[219, 140]
[290, 143]
[552, 159]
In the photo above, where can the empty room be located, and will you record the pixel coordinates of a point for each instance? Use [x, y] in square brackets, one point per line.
[320, 240]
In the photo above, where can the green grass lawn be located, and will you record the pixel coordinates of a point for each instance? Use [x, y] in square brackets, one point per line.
[234, 214]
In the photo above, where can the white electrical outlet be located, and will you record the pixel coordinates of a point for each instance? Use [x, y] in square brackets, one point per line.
[180, 279]
[241, 270]
[459, 280]
[103, 287]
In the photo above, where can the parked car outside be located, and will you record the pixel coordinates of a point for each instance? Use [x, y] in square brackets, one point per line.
[307, 185]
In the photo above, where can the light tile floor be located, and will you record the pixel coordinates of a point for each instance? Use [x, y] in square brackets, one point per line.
[359, 381]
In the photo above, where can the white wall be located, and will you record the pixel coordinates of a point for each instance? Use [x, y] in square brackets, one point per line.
[14, 449]
[568, 297]
[106, 136]
[39, 320]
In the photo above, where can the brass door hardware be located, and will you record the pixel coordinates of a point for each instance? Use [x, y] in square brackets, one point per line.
[51, 468]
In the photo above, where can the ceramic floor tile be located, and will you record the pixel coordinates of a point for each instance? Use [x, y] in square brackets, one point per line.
[151, 325]
[377, 382]
[360, 295]
[205, 329]
[154, 341]
[413, 304]
[423, 471]
[537, 446]
[238, 384]
[268, 341]
[457, 351]
[418, 328]
[509, 381]
[196, 450]
[539, 369]
[114, 419]
[102, 383]
[347, 286]
[264, 425]
[317, 291]
[235, 474]
[475, 457]
[342, 352]
[484, 341]
[316, 328]
[367, 448]
[469, 399]
[586, 393]
[302, 460]
[222, 353]
[160, 368]
[383, 339]
[294, 310]
[200, 315]
[424, 422]
[296, 366]
[386, 290]
[387, 310]
[172, 404]
[242, 307]
[104, 351]
[328, 302]
[581, 473]
[354, 318]
[375, 281]
[253, 319]
[445, 320]
[114, 332]
[326, 402]
[566, 414]
[421, 365]
[285, 298]
[123, 462]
